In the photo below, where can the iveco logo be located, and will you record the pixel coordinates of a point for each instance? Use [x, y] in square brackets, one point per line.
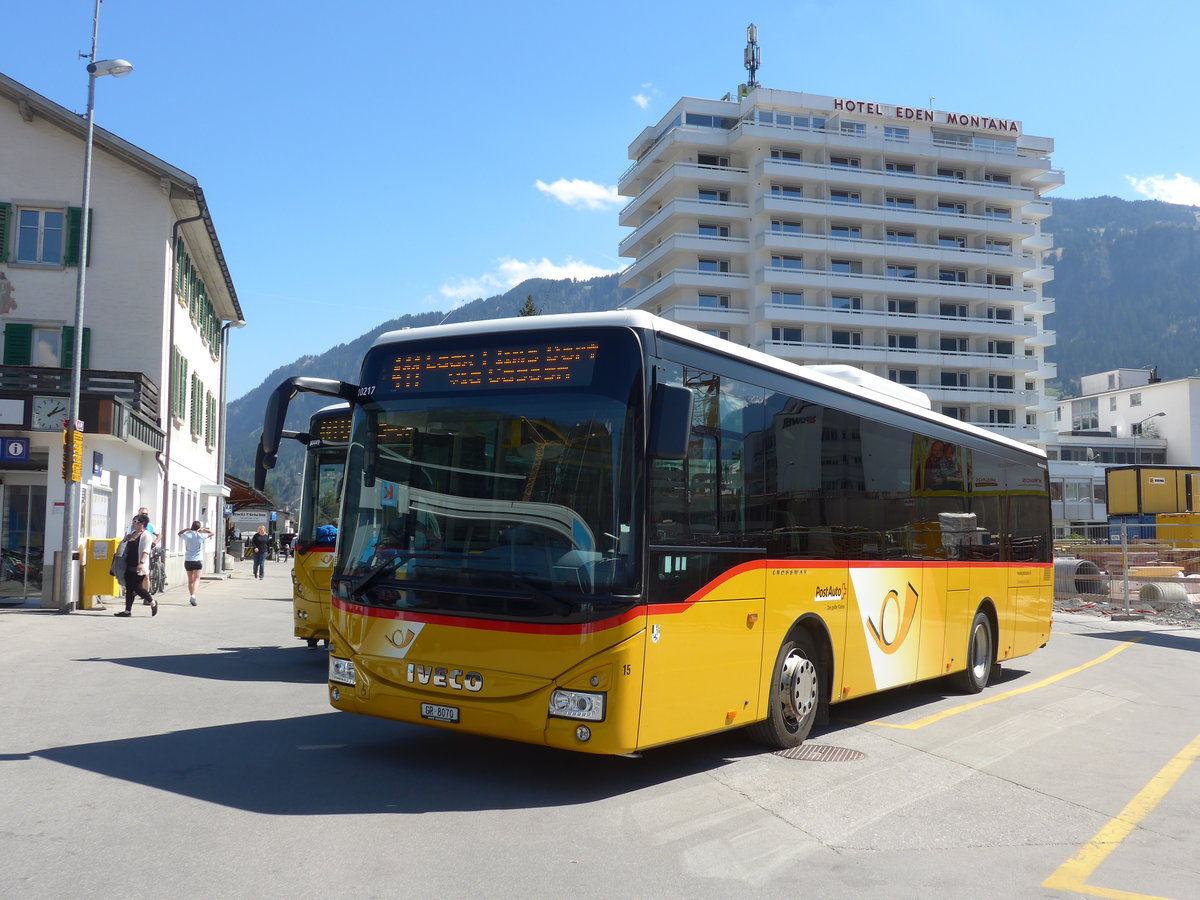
[454, 679]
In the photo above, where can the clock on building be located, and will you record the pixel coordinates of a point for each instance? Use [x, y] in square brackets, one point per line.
[48, 413]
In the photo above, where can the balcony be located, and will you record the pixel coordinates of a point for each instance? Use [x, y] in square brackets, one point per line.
[717, 282]
[690, 244]
[857, 319]
[895, 215]
[859, 283]
[898, 181]
[824, 352]
[895, 250]
[683, 176]
[122, 404]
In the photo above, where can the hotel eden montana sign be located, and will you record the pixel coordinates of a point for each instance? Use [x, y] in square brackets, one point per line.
[913, 114]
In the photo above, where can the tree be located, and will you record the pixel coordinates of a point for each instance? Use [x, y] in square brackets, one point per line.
[529, 308]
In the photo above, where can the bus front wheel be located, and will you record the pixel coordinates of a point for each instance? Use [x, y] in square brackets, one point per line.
[981, 656]
[794, 698]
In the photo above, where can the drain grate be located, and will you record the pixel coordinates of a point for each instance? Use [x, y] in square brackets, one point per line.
[821, 753]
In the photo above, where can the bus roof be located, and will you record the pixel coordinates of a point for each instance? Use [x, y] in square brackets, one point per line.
[844, 379]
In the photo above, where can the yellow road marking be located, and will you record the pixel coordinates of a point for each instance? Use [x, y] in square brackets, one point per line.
[1073, 874]
[937, 717]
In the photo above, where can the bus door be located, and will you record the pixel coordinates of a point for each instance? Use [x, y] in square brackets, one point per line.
[705, 600]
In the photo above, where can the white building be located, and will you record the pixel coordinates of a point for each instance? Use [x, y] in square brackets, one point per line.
[905, 241]
[1123, 417]
[159, 301]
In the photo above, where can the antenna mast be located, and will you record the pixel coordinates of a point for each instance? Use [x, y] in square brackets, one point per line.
[753, 54]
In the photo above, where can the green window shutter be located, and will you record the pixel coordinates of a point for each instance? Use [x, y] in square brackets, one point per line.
[18, 344]
[68, 346]
[5, 218]
[74, 230]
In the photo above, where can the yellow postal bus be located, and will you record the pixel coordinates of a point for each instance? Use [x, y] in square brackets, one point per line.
[320, 493]
[607, 532]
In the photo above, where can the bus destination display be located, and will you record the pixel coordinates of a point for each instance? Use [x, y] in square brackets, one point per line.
[554, 365]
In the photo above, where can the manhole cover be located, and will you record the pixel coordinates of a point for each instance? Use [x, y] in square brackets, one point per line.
[821, 753]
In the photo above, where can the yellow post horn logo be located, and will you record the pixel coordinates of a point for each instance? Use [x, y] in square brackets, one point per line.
[895, 621]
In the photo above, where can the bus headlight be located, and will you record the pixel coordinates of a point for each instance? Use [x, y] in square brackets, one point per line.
[341, 670]
[577, 705]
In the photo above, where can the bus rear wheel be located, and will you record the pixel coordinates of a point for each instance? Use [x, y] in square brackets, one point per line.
[794, 698]
[981, 656]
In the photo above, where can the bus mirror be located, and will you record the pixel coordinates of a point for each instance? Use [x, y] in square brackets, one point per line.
[262, 462]
[670, 422]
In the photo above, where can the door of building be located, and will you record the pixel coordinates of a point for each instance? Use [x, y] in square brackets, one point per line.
[22, 539]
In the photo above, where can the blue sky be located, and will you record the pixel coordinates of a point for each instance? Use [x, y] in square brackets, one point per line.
[370, 158]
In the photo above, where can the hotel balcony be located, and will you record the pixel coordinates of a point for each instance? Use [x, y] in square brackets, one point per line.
[857, 283]
[811, 352]
[781, 314]
[1013, 228]
[716, 210]
[684, 177]
[690, 244]
[1017, 263]
[960, 396]
[717, 282]
[856, 177]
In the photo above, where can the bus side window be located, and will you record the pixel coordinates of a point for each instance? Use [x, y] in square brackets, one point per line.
[704, 483]
[668, 500]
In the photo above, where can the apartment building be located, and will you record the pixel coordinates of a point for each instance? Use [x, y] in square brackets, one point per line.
[159, 303]
[905, 241]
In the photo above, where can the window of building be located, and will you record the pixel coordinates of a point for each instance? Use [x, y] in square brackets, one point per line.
[846, 162]
[1135, 399]
[955, 412]
[951, 138]
[787, 262]
[845, 302]
[1000, 280]
[845, 266]
[787, 334]
[847, 338]
[40, 236]
[997, 177]
[953, 344]
[896, 202]
[856, 128]
[1112, 404]
[717, 333]
[1001, 417]
[901, 237]
[780, 225]
[946, 172]
[1001, 382]
[903, 376]
[955, 379]
[786, 155]
[52, 346]
[953, 310]
[902, 168]
[952, 241]
[712, 195]
[905, 272]
[709, 159]
[787, 190]
[712, 229]
[714, 301]
[997, 212]
[895, 133]
[993, 245]
[952, 207]
[847, 232]
[958, 276]
[845, 196]
[709, 121]
[713, 265]
[902, 341]
[1001, 348]
[1000, 313]
[907, 307]
[787, 298]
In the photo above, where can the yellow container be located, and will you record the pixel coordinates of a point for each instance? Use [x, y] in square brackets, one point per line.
[96, 581]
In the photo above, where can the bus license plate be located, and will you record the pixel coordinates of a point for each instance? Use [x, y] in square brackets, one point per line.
[439, 713]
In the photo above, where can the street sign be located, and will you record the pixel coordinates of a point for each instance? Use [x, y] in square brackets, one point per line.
[72, 468]
[15, 450]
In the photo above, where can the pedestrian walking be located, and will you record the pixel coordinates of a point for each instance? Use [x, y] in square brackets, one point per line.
[131, 563]
[261, 542]
[193, 556]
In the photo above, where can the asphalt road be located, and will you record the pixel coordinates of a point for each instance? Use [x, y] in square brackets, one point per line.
[193, 755]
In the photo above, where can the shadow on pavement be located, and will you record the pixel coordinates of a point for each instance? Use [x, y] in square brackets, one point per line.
[296, 665]
[338, 763]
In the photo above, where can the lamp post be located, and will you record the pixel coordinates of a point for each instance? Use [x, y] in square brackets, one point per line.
[70, 540]
[1137, 432]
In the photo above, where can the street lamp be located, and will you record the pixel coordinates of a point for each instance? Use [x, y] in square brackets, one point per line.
[70, 541]
[1137, 431]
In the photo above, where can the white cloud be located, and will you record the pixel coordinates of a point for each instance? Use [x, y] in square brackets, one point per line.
[510, 272]
[1180, 189]
[641, 100]
[580, 194]
[647, 93]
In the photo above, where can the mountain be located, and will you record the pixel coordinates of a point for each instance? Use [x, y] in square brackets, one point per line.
[245, 416]
[1126, 282]
[1126, 285]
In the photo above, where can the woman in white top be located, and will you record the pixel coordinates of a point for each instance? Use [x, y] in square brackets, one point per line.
[193, 555]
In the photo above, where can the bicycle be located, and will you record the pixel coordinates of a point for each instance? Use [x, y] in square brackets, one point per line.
[158, 570]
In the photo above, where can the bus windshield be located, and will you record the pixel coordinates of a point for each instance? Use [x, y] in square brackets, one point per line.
[321, 492]
[479, 496]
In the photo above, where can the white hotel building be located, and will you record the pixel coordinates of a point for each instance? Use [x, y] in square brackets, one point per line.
[904, 241]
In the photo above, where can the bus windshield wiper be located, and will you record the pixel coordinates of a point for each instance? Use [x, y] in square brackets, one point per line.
[391, 565]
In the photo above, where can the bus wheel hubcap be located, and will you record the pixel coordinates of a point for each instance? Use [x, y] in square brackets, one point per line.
[800, 686]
